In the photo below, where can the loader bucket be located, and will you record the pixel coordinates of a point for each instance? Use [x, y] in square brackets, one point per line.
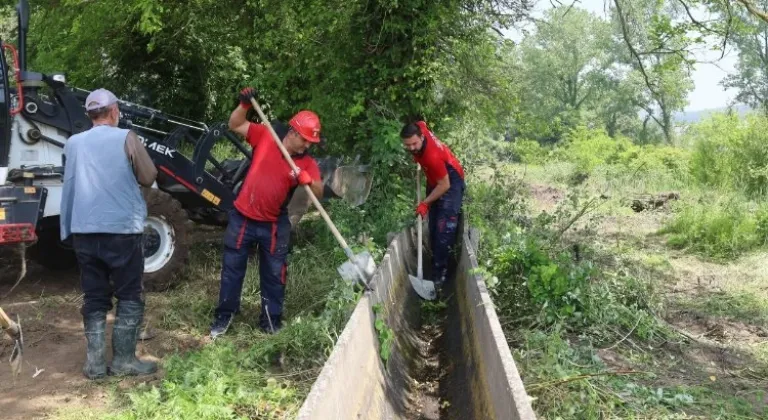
[351, 183]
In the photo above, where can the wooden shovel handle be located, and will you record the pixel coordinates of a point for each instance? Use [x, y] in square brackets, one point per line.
[419, 268]
[6, 321]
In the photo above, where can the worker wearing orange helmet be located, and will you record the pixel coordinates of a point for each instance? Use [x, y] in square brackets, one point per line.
[260, 216]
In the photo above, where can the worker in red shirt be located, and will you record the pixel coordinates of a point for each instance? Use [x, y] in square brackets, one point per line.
[445, 193]
[260, 216]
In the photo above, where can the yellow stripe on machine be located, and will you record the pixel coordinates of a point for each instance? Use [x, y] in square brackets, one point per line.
[210, 197]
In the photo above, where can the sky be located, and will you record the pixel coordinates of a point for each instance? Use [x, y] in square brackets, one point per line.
[707, 93]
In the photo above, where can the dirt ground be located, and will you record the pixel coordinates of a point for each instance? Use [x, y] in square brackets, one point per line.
[545, 197]
[48, 305]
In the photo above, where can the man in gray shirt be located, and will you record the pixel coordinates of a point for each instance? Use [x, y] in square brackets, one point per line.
[103, 210]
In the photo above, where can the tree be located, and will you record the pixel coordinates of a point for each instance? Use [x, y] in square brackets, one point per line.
[564, 66]
[673, 27]
[481, 78]
[658, 51]
[365, 66]
[751, 77]
[619, 104]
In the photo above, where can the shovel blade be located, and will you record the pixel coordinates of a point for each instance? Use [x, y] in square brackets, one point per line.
[424, 288]
[15, 359]
[18, 346]
[361, 271]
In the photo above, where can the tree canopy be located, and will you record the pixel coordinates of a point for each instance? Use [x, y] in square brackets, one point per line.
[368, 66]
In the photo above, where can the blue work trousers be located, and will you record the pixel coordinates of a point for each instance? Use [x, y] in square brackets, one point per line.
[443, 226]
[272, 239]
[111, 266]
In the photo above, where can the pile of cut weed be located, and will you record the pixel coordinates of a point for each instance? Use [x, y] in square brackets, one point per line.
[572, 379]
[247, 374]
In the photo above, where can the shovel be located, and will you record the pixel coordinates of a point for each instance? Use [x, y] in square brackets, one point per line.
[360, 267]
[424, 288]
[13, 329]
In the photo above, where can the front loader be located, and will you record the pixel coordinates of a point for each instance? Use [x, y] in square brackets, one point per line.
[41, 112]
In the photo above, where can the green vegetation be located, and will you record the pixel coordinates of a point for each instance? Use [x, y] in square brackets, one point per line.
[721, 229]
[595, 321]
[246, 373]
[386, 335]
[588, 322]
[735, 306]
[732, 154]
[581, 112]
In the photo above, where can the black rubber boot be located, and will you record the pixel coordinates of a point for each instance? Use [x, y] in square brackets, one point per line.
[124, 335]
[146, 333]
[95, 325]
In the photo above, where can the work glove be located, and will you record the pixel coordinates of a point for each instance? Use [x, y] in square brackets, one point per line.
[245, 97]
[304, 178]
[422, 209]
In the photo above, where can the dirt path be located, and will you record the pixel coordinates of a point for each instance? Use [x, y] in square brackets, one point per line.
[48, 304]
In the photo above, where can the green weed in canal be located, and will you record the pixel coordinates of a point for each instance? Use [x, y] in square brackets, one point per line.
[432, 311]
[385, 334]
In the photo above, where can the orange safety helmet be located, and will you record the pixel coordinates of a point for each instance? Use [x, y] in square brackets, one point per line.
[307, 124]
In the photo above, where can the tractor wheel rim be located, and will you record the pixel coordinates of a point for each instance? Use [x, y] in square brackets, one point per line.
[159, 243]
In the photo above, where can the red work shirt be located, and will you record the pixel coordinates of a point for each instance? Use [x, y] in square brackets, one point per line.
[435, 158]
[270, 180]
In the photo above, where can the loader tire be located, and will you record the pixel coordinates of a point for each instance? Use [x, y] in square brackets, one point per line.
[166, 244]
[49, 251]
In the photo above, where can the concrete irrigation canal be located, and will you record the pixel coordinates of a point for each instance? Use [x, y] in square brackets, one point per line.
[399, 358]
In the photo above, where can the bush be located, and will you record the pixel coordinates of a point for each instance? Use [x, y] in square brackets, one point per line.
[653, 159]
[528, 151]
[531, 281]
[588, 148]
[496, 205]
[592, 148]
[533, 277]
[732, 153]
[719, 229]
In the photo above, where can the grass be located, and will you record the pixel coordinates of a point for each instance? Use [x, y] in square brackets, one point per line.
[721, 228]
[572, 379]
[713, 223]
[583, 315]
[585, 323]
[246, 373]
[737, 306]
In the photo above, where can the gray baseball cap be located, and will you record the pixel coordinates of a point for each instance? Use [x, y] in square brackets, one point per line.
[99, 98]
